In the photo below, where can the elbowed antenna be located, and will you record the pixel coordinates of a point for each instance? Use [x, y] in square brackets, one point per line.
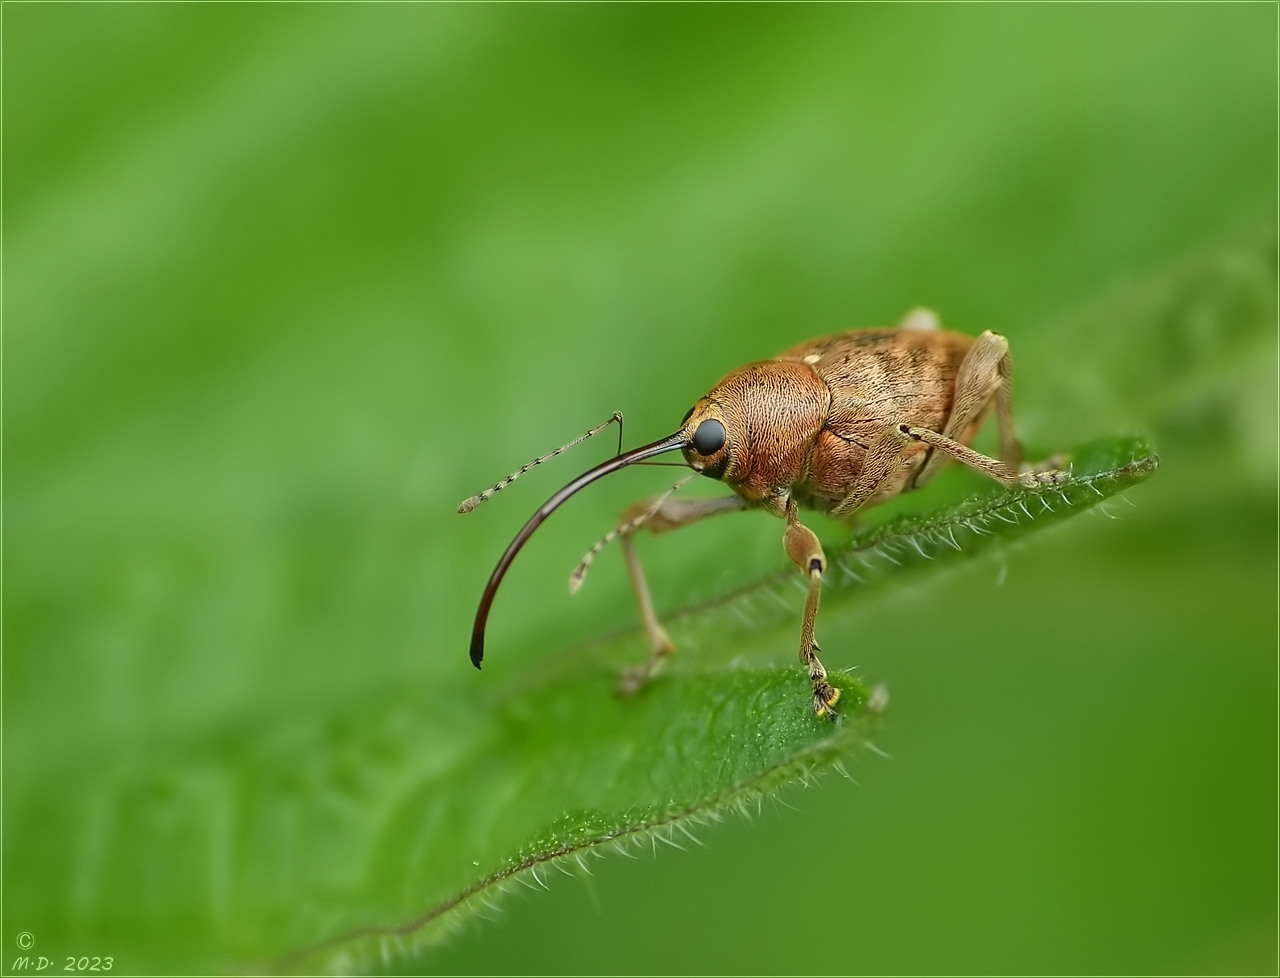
[668, 444]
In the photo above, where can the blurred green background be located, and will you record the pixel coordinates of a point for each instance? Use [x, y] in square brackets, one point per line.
[284, 283]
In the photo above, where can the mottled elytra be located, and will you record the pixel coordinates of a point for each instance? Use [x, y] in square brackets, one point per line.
[837, 424]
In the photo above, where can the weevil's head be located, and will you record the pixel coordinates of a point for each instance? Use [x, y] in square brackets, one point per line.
[756, 428]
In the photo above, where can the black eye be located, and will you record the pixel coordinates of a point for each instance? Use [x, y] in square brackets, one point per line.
[709, 438]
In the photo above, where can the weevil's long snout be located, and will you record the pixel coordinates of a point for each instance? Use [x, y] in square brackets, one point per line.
[669, 444]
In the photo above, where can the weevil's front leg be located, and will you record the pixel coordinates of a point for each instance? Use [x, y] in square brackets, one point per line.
[667, 514]
[806, 552]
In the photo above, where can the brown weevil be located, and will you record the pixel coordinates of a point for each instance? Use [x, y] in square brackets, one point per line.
[837, 424]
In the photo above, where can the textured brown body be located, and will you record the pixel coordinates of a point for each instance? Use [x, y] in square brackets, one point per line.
[874, 374]
[809, 417]
[835, 424]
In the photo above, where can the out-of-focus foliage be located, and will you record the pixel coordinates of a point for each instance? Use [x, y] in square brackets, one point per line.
[284, 283]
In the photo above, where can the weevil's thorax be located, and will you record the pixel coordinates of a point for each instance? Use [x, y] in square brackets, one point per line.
[772, 413]
[878, 378]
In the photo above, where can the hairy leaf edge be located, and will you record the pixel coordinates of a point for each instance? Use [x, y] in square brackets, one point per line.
[345, 952]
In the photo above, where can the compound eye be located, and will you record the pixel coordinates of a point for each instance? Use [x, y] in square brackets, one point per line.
[709, 438]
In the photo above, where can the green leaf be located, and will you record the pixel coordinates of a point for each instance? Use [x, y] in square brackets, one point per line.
[932, 539]
[561, 769]
[558, 773]
[331, 841]
[283, 283]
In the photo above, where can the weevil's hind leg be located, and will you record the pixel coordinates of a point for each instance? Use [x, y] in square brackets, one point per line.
[806, 553]
[985, 375]
[1010, 447]
[1006, 475]
[667, 514]
[920, 319]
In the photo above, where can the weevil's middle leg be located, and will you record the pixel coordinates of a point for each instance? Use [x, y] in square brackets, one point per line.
[805, 551]
[666, 514]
